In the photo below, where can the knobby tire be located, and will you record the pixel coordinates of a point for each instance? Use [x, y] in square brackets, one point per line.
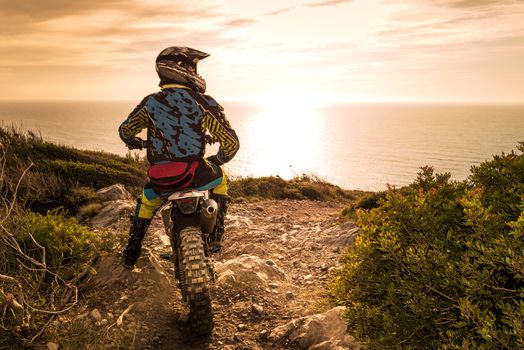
[195, 280]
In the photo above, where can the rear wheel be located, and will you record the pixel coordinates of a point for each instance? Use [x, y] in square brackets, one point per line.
[195, 279]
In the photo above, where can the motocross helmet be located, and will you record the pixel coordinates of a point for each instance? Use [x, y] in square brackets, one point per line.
[178, 65]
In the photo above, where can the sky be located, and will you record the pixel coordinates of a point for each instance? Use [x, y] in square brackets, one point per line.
[314, 51]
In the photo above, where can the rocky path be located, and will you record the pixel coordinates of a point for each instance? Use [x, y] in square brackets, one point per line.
[270, 292]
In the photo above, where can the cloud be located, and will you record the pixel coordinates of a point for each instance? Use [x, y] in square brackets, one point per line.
[327, 3]
[279, 11]
[473, 3]
[239, 22]
[112, 34]
[42, 10]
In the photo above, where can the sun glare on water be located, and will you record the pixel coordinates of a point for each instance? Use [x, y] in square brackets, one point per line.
[288, 134]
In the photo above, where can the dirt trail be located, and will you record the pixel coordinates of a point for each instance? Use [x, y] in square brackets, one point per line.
[291, 248]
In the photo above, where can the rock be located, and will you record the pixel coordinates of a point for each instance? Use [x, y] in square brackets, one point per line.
[239, 221]
[248, 249]
[163, 237]
[52, 346]
[247, 271]
[290, 295]
[327, 345]
[257, 309]
[308, 277]
[263, 334]
[241, 327]
[270, 262]
[227, 278]
[315, 246]
[96, 315]
[328, 328]
[272, 285]
[112, 212]
[339, 237]
[259, 208]
[113, 193]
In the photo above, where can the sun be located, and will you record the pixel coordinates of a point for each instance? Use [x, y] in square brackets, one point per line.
[288, 129]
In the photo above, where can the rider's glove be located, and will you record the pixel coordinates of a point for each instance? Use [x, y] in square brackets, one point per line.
[136, 143]
[214, 159]
[209, 139]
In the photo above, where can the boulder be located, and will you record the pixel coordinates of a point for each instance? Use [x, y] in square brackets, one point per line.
[338, 237]
[247, 271]
[113, 193]
[112, 212]
[326, 331]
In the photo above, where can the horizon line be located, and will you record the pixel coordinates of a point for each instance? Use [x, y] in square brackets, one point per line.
[324, 104]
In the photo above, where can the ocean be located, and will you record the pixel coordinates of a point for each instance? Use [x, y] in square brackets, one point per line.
[356, 146]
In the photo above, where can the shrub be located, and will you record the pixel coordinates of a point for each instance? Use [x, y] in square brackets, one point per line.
[67, 244]
[58, 171]
[440, 264]
[45, 259]
[366, 202]
[301, 187]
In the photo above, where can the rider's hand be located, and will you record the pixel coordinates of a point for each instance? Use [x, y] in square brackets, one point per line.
[209, 139]
[136, 143]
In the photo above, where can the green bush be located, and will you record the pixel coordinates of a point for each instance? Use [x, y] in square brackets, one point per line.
[367, 202]
[48, 256]
[440, 264]
[57, 172]
[300, 187]
[67, 244]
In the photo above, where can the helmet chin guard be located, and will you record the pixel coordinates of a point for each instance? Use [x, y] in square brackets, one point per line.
[178, 65]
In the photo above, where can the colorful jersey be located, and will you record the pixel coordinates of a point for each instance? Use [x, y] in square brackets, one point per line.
[177, 120]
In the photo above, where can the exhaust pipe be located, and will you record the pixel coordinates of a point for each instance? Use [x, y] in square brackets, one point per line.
[208, 215]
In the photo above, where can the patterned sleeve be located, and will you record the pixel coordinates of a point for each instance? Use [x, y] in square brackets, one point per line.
[135, 122]
[214, 121]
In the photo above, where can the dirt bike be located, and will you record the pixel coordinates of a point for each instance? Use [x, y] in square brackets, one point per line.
[189, 218]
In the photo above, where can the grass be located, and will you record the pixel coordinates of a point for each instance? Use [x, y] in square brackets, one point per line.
[301, 187]
[59, 175]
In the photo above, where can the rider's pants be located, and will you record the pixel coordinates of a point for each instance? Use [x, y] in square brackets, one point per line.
[164, 180]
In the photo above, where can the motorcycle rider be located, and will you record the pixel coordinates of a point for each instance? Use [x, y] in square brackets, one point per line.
[178, 119]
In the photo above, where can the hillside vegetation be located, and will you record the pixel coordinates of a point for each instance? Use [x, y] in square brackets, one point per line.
[437, 265]
[440, 264]
[56, 175]
[45, 254]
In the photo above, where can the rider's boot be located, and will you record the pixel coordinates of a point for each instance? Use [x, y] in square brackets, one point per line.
[217, 236]
[137, 232]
